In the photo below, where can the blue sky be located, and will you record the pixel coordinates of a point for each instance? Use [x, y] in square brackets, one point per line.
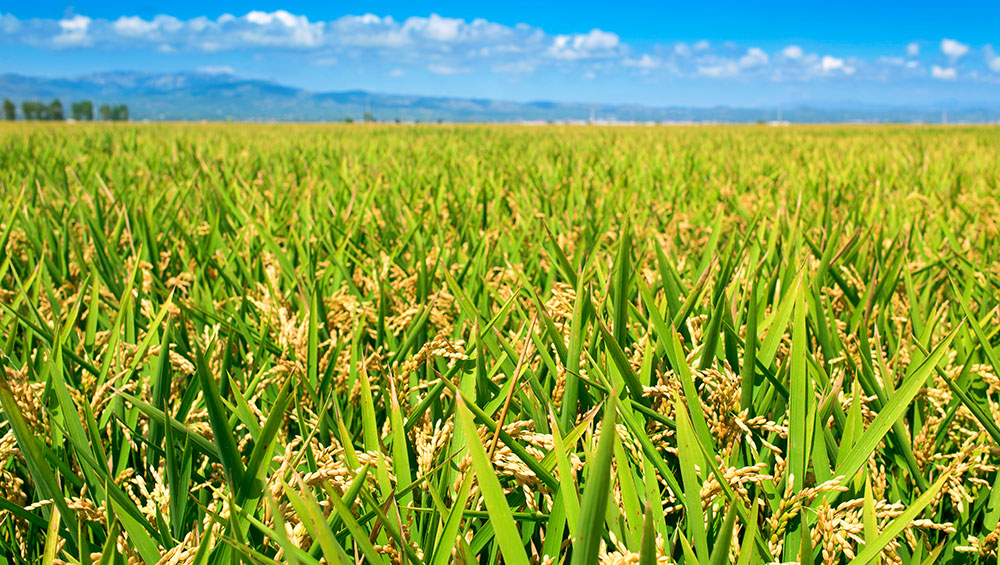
[671, 53]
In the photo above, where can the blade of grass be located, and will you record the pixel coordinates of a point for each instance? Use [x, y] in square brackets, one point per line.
[591, 527]
[900, 523]
[508, 538]
[688, 453]
[897, 405]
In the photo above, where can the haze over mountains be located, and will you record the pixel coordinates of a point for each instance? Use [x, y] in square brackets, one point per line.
[221, 96]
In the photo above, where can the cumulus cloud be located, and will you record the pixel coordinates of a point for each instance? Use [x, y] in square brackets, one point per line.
[281, 28]
[754, 57]
[278, 29]
[721, 69]
[992, 59]
[647, 61]
[750, 61]
[943, 73]
[831, 64]
[952, 49]
[442, 45]
[439, 44]
[134, 26]
[584, 45]
[792, 52]
[73, 32]
[791, 63]
[9, 25]
[442, 29]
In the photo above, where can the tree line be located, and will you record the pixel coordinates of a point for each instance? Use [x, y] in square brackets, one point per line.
[53, 111]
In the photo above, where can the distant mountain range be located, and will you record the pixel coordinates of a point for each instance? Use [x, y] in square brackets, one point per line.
[198, 96]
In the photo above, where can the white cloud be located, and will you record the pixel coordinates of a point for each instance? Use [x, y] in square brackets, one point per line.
[647, 61]
[792, 52]
[992, 59]
[73, 32]
[953, 49]
[442, 29]
[444, 46]
[943, 73]
[396, 73]
[133, 26]
[282, 29]
[719, 70]
[831, 64]
[718, 66]
[754, 57]
[9, 25]
[583, 45]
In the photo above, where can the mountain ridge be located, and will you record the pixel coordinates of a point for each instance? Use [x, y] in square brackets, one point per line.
[197, 95]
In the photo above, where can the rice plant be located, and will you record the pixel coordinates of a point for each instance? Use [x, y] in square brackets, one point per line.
[486, 344]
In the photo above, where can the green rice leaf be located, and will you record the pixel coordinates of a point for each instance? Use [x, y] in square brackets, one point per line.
[508, 538]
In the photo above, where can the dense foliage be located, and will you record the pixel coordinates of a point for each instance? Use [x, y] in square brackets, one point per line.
[499, 344]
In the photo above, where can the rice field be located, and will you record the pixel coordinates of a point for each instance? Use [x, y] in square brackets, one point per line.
[499, 344]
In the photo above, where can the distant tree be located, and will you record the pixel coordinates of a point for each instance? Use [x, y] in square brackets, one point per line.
[34, 110]
[348, 120]
[117, 113]
[9, 110]
[55, 110]
[83, 111]
[120, 113]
